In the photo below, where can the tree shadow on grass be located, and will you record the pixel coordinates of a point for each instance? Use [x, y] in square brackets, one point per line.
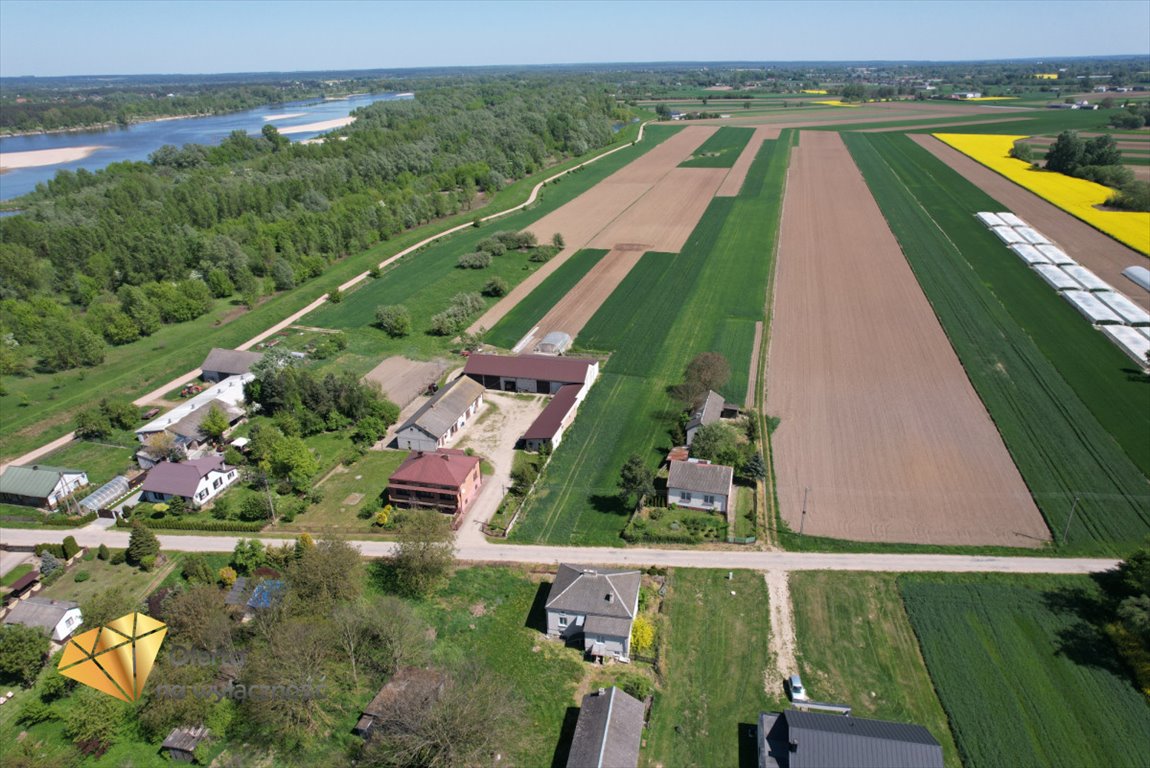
[566, 736]
[1083, 641]
[612, 504]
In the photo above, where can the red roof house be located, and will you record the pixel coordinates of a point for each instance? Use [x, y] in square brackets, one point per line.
[447, 480]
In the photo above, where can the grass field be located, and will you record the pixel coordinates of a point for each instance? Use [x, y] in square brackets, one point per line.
[524, 315]
[105, 576]
[856, 646]
[367, 477]
[40, 407]
[507, 641]
[719, 281]
[1078, 197]
[102, 461]
[714, 655]
[721, 150]
[1024, 679]
[1062, 397]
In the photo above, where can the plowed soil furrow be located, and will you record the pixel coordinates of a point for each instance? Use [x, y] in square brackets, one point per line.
[1105, 256]
[877, 417]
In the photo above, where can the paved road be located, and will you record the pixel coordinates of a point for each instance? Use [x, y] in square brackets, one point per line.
[680, 558]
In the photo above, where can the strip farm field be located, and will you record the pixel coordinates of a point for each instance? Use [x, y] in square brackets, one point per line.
[721, 150]
[1062, 397]
[1024, 678]
[668, 309]
[877, 417]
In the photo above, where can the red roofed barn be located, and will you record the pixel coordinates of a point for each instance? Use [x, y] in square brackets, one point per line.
[446, 479]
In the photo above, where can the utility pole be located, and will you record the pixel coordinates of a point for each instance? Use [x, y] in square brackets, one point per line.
[1066, 530]
[803, 519]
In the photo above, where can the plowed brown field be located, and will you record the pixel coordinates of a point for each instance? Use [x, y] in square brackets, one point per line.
[877, 417]
[662, 219]
[734, 181]
[1104, 255]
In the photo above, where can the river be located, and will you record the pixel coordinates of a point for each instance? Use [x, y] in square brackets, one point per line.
[138, 141]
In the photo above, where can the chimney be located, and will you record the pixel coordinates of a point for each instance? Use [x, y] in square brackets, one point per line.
[794, 745]
[610, 598]
[602, 691]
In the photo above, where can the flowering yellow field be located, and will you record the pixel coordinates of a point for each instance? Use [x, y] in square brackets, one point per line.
[1077, 197]
[834, 103]
[992, 98]
[815, 91]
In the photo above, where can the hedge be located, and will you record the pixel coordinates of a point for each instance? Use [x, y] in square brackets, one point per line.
[198, 525]
[70, 522]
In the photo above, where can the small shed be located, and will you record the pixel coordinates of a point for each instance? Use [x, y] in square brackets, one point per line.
[554, 343]
[408, 687]
[182, 742]
[222, 363]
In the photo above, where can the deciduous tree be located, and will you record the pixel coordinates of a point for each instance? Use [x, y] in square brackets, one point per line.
[22, 652]
[424, 552]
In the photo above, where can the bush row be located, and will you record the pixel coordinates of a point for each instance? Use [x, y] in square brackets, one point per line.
[197, 525]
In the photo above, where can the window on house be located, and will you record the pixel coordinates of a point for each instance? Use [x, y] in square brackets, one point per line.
[218, 482]
[563, 620]
[685, 495]
[708, 499]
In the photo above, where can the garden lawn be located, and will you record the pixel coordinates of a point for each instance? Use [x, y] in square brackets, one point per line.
[105, 576]
[1024, 679]
[367, 477]
[501, 641]
[1063, 398]
[714, 655]
[719, 281]
[1078, 197]
[720, 150]
[856, 646]
[524, 315]
[15, 574]
[102, 461]
[41, 407]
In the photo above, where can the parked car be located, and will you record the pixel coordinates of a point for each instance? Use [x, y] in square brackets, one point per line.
[798, 692]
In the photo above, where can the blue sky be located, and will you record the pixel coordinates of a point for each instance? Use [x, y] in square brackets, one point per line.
[63, 37]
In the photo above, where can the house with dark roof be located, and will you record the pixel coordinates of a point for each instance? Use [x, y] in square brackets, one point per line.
[198, 481]
[795, 739]
[447, 480]
[701, 485]
[182, 742]
[58, 619]
[597, 604]
[441, 417]
[536, 374]
[39, 485]
[408, 688]
[709, 412]
[183, 421]
[609, 731]
[548, 428]
[222, 363]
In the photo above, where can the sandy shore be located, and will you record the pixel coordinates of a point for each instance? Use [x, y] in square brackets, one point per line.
[35, 158]
[284, 116]
[325, 125]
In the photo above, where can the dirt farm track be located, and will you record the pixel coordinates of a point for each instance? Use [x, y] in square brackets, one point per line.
[877, 417]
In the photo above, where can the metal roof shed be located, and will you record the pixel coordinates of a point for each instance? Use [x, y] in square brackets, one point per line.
[1129, 341]
[1007, 235]
[1091, 308]
[990, 219]
[1056, 278]
[1029, 254]
[1140, 276]
[554, 343]
[1089, 280]
[1056, 255]
[1124, 308]
[1011, 220]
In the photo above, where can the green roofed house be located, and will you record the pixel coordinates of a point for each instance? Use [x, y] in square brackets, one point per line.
[39, 485]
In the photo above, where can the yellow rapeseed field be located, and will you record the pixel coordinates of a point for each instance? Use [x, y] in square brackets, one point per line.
[816, 92]
[1077, 197]
[992, 98]
[834, 103]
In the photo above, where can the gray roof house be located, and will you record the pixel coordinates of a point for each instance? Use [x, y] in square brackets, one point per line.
[609, 731]
[409, 687]
[222, 363]
[708, 413]
[796, 739]
[700, 485]
[39, 485]
[57, 618]
[442, 416]
[598, 603]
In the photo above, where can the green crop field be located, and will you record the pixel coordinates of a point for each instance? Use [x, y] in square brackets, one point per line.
[715, 651]
[1024, 679]
[721, 150]
[719, 281]
[524, 315]
[40, 407]
[872, 664]
[1049, 381]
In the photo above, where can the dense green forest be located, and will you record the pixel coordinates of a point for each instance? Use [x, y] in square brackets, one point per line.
[107, 257]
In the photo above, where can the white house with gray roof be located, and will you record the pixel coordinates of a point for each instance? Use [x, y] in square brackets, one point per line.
[700, 485]
[708, 413]
[441, 417]
[56, 618]
[599, 604]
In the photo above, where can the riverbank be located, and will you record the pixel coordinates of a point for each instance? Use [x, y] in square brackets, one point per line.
[35, 158]
[323, 125]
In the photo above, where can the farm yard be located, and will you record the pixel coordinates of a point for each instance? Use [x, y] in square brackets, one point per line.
[1022, 675]
[1058, 391]
[877, 417]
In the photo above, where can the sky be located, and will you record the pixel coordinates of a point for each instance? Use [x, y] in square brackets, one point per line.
[89, 37]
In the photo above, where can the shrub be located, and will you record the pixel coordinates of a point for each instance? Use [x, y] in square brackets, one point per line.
[636, 685]
[103, 553]
[492, 245]
[196, 569]
[119, 558]
[36, 711]
[642, 635]
[81, 576]
[148, 563]
[394, 320]
[222, 509]
[495, 287]
[477, 260]
[70, 547]
[49, 564]
[233, 457]
[227, 576]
